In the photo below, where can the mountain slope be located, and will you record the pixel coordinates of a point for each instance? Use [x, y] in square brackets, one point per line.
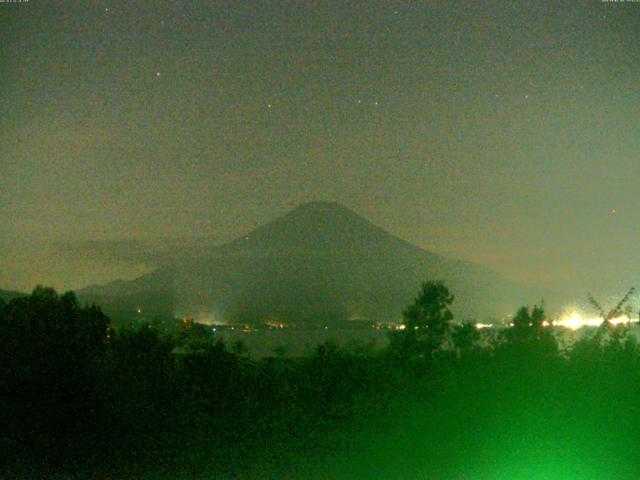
[319, 263]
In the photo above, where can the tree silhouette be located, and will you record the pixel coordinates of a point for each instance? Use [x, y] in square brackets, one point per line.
[427, 321]
[50, 344]
[616, 311]
[529, 331]
[465, 336]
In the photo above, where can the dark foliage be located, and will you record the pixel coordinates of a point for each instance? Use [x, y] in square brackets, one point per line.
[82, 401]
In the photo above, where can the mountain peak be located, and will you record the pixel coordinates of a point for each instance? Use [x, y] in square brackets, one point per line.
[321, 208]
[316, 221]
[321, 205]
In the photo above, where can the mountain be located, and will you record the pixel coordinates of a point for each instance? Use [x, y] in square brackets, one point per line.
[320, 263]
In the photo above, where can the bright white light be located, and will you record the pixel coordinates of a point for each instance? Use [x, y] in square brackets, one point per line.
[574, 320]
[481, 326]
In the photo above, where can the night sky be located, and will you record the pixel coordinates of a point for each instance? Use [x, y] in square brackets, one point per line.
[506, 133]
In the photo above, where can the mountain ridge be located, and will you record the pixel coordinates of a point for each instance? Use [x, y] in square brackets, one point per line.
[8, 295]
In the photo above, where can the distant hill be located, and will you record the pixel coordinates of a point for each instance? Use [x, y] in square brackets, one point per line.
[320, 263]
[7, 295]
[146, 298]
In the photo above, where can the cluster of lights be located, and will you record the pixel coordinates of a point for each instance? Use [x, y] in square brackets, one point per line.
[573, 320]
[481, 326]
[273, 325]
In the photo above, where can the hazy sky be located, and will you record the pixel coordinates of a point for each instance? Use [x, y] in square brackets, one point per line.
[507, 133]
